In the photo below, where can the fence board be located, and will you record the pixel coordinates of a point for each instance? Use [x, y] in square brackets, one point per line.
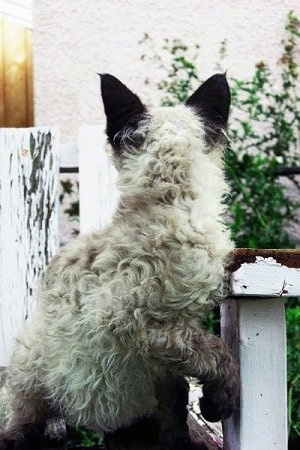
[253, 325]
[261, 422]
[97, 177]
[28, 220]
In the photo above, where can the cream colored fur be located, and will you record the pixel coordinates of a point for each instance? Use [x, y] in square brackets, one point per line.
[118, 308]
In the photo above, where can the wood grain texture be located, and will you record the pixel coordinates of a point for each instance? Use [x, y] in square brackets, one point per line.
[254, 328]
[230, 333]
[261, 421]
[28, 222]
[263, 364]
[265, 278]
[288, 258]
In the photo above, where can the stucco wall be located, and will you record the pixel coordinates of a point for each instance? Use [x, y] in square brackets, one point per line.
[74, 39]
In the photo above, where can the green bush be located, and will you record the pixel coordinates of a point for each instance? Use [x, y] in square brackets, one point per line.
[293, 358]
[82, 437]
[263, 135]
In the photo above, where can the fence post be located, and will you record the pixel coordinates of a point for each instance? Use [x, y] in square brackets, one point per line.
[98, 193]
[253, 325]
[29, 171]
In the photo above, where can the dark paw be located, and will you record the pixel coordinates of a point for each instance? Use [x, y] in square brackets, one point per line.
[220, 395]
[214, 411]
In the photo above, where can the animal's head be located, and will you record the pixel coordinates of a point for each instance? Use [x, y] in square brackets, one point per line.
[153, 144]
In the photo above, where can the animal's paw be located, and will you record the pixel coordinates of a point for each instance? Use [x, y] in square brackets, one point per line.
[214, 411]
[218, 403]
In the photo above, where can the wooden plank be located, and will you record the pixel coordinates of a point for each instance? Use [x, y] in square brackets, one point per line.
[254, 327]
[28, 222]
[98, 194]
[288, 258]
[202, 436]
[5, 410]
[265, 278]
[261, 422]
[68, 155]
[230, 335]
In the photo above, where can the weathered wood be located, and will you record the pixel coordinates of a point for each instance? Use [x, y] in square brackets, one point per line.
[5, 410]
[266, 277]
[97, 176]
[28, 222]
[230, 334]
[288, 258]
[254, 327]
[261, 422]
[202, 436]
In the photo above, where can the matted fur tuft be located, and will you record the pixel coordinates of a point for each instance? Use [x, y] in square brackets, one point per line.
[118, 309]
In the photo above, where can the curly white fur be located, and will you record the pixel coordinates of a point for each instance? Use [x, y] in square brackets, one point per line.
[118, 308]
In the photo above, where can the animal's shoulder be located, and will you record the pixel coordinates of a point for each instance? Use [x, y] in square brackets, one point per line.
[75, 257]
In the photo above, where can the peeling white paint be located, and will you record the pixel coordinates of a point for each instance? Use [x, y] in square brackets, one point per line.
[255, 330]
[266, 278]
[28, 222]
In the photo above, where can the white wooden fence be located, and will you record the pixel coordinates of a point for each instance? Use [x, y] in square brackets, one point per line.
[253, 325]
[252, 318]
[28, 222]
[29, 201]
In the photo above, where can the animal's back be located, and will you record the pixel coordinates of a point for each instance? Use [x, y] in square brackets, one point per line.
[73, 352]
[118, 309]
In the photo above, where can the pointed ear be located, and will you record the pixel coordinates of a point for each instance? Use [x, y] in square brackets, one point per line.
[212, 101]
[123, 111]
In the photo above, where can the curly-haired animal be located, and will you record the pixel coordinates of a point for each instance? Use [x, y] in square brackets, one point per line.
[119, 309]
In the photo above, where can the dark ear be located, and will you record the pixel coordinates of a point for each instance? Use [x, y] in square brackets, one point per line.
[123, 111]
[212, 101]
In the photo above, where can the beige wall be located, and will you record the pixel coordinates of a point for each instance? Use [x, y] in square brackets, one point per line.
[74, 39]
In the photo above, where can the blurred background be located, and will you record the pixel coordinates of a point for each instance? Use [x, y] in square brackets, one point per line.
[70, 41]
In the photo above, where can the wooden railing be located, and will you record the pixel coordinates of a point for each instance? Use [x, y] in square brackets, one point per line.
[253, 325]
